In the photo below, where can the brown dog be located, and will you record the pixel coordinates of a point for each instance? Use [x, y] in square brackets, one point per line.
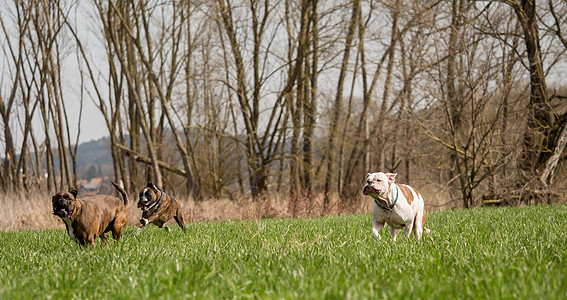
[92, 217]
[158, 208]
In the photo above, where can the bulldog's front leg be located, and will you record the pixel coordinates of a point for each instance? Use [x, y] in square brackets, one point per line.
[104, 237]
[376, 226]
[143, 222]
[91, 240]
[155, 216]
[394, 232]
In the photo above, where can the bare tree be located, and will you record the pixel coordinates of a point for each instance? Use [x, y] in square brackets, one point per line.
[337, 104]
[541, 129]
[261, 146]
[37, 65]
[125, 15]
[234, 97]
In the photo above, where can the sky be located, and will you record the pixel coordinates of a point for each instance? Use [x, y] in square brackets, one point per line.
[90, 121]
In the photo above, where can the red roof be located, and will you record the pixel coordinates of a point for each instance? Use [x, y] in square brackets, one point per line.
[96, 181]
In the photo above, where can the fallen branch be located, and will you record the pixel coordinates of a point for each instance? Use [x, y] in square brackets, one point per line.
[548, 173]
[147, 160]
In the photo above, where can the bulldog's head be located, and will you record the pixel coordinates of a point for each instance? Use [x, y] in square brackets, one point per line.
[378, 184]
[148, 196]
[64, 203]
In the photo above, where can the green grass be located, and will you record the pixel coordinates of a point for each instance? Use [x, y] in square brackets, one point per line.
[489, 253]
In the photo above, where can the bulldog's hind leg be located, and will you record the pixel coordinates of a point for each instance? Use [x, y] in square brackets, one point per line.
[180, 219]
[119, 224]
[425, 229]
[418, 225]
[409, 228]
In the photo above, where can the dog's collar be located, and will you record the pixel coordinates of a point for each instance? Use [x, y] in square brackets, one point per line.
[389, 208]
[152, 206]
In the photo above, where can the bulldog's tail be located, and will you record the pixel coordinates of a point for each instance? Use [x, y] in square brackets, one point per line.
[122, 192]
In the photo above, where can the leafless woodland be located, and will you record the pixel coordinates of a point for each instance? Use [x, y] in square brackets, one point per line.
[296, 99]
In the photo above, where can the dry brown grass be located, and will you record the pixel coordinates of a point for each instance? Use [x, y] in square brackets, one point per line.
[33, 210]
[27, 211]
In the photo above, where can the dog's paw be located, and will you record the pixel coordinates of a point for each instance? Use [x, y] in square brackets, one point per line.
[144, 221]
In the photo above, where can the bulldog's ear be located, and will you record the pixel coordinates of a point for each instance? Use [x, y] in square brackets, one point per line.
[391, 177]
[74, 193]
[150, 185]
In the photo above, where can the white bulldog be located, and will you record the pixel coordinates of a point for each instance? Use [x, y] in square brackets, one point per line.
[398, 205]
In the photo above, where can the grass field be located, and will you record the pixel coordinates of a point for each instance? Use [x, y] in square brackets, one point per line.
[488, 253]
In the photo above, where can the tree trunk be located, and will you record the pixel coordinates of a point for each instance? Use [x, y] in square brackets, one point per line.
[338, 103]
[310, 106]
[541, 130]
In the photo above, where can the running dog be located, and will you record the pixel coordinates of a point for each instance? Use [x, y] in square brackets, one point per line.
[91, 217]
[400, 206]
[158, 208]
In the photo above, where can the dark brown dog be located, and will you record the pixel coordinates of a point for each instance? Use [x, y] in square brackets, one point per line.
[92, 217]
[158, 208]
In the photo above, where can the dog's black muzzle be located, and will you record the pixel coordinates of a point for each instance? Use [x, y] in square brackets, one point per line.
[62, 213]
[143, 205]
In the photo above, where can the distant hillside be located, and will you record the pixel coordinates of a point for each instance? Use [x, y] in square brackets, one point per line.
[92, 154]
[95, 152]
